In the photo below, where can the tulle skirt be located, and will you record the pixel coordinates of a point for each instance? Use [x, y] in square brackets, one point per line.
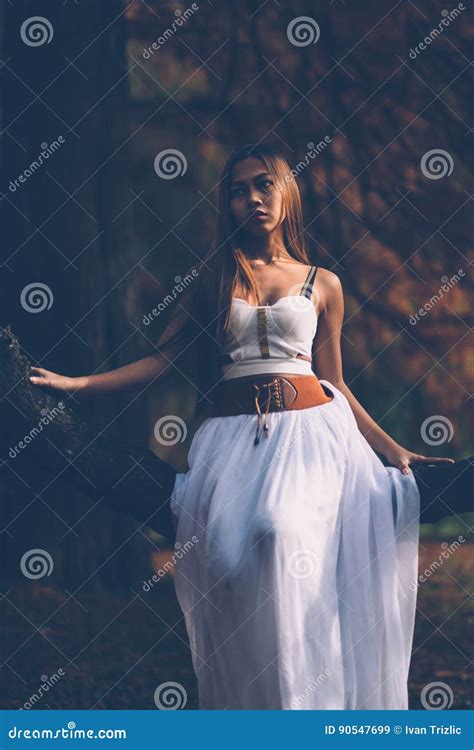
[297, 563]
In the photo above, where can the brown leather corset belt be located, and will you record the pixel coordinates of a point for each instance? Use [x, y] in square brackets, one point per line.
[278, 391]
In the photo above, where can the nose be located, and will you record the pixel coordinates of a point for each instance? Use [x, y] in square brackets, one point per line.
[254, 199]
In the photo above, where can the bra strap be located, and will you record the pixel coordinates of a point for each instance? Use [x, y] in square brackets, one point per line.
[307, 289]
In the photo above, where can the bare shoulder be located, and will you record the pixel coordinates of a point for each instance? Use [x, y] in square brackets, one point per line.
[329, 288]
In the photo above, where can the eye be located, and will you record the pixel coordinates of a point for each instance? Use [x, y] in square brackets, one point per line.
[266, 183]
[235, 191]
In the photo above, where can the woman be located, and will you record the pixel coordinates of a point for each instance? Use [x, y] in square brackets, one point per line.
[299, 547]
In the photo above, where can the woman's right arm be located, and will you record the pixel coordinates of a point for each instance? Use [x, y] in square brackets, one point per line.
[135, 375]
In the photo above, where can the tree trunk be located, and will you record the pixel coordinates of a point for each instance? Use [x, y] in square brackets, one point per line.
[45, 438]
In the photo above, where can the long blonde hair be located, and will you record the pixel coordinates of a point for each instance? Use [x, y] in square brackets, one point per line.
[226, 264]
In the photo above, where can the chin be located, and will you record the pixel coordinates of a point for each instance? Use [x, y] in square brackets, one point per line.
[257, 230]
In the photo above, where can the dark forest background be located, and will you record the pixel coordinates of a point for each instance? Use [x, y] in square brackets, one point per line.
[387, 205]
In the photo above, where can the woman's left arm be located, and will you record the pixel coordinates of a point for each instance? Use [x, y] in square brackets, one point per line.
[327, 364]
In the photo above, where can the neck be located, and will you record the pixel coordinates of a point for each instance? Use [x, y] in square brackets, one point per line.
[267, 249]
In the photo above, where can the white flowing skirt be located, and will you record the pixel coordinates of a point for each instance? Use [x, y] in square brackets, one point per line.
[297, 563]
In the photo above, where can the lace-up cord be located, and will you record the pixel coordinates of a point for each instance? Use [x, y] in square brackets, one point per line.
[273, 387]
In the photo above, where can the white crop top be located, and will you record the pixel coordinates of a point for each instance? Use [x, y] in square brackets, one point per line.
[269, 338]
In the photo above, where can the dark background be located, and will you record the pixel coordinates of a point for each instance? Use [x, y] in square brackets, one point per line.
[110, 238]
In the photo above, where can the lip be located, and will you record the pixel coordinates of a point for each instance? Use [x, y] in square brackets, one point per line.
[258, 215]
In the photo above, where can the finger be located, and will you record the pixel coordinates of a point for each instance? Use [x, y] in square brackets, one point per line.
[432, 460]
[37, 371]
[38, 381]
[404, 469]
[442, 460]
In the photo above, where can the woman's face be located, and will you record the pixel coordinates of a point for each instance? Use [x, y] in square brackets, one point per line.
[256, 204]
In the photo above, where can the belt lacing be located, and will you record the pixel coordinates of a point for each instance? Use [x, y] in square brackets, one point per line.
[258, 388]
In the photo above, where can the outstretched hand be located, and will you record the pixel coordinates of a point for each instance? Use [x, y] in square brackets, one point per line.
[402, 459]
[46, 379]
